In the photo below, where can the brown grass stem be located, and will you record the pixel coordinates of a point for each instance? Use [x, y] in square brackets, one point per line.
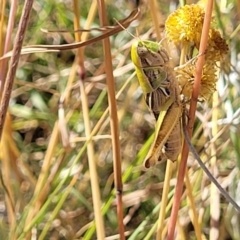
[14, 62]
[80, 51]
[90, 147]
[193, 105]
[113, 119]
[7, 89]
[3, 64]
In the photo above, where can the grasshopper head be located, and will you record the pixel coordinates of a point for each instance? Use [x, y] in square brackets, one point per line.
[148, 54]
[149, 59]
[150, 45]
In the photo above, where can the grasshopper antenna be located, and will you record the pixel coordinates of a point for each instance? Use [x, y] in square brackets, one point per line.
[126, 29]
[202, 165]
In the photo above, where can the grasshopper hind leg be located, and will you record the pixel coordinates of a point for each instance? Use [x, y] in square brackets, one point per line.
[150, 162]
[173, 146]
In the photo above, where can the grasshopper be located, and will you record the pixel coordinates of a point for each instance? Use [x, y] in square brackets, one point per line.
[162, 96]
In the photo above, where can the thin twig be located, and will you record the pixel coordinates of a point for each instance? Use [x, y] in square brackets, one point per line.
[39, 48]
[7, 43]
[205, 169]
[14, 62]
[7, 87]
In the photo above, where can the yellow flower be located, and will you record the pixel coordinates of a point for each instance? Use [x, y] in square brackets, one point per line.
[217, 46]
[184, 28]
[186, 74]
[185, 24]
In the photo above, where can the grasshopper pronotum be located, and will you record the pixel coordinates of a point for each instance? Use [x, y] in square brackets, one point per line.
[163, 98]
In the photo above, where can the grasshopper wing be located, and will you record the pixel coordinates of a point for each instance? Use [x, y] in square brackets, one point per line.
[168, 125]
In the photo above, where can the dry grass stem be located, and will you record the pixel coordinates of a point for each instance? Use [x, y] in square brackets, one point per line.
[162, 212]
[113, 120]
[14, 62]
[193, 104]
